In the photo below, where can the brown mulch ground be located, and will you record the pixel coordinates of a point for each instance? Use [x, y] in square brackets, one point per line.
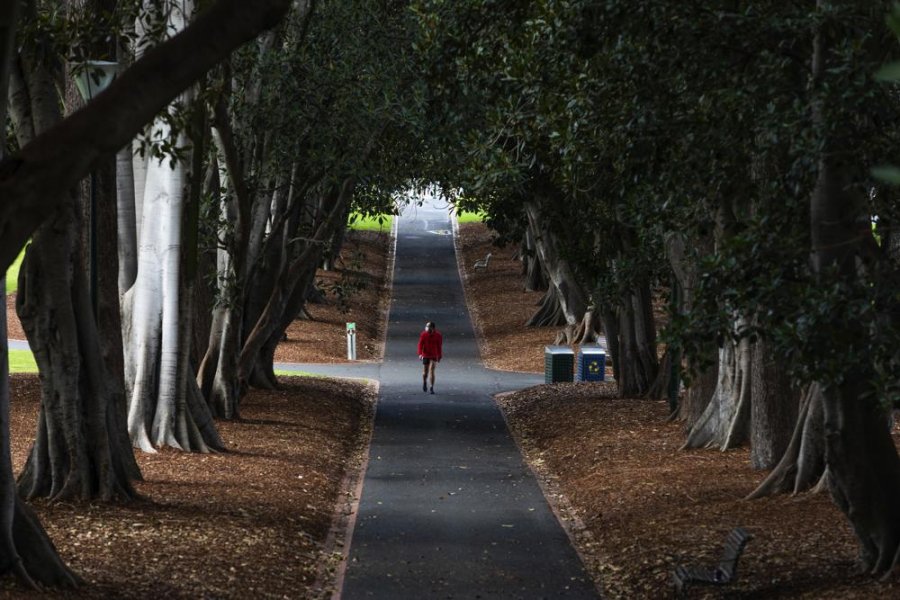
[499, 304]
[251, 522]
[13, 326]
[263, 520]
[636, 505]
[363, 270]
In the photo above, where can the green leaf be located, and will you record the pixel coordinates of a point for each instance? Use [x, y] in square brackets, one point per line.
[889, 72]
[893, 18]
[887, 174]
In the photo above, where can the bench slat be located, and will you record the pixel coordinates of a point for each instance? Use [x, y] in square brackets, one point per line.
[722, 573]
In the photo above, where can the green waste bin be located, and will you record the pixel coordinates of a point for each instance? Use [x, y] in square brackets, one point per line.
[559, 364]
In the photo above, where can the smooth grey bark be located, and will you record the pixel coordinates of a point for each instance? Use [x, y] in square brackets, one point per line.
[126, 207]
[570, 294]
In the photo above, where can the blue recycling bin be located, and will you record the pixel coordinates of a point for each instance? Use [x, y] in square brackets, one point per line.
[591, 364]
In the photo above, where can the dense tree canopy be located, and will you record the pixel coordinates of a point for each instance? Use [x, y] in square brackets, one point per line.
[716, 159]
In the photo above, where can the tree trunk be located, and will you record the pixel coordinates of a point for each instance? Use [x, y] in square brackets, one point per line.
[725, 422]
[699, 394]
[271, 317]
[159, 410]
[535, 280]
[610, 321]
[333, 251]
[77, 451]
[127, 219]
[158, 307]
[571, 296]
[660, 387]
[301, 287]
[25, 549]
[702, 379]
[223, 391]
[550, 313]
[773, 412]
[637, 360]
[588, 331]
[860, 455]
[802, 465]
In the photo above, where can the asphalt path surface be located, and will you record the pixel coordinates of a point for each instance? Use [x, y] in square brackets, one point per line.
[448, 507]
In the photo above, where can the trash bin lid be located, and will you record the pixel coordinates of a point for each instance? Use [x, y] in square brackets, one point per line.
[593, 350]
[558, 350]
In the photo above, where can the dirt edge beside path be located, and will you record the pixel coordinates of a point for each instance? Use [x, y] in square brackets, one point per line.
[365, 273]
[269, 518]
[635, 504]
[343, 523]
[498, 304]
[251, 522]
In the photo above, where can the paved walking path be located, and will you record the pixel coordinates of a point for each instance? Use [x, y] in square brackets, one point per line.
[448, 508]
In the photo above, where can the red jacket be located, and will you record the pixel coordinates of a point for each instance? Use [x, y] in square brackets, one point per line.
[431, 344]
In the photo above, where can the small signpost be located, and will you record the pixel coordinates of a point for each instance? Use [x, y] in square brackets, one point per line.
[351, 341]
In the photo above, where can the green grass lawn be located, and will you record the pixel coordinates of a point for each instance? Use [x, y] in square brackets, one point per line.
[361, 223]
[22, 361]
[283, 373]
[469, 217]
[12, 275]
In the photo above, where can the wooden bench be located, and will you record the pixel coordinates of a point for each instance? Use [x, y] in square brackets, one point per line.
[720, 574]
[483, 263]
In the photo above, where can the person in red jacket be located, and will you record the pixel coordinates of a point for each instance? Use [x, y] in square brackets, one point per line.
[430, 352]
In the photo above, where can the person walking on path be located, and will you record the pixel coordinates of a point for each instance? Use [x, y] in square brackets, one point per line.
[430, 352]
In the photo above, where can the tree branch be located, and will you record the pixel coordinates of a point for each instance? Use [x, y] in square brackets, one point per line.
[33, 181]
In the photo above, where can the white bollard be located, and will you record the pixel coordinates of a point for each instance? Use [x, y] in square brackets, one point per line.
[351, 341]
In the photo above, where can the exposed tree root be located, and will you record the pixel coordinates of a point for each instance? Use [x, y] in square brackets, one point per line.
[25, 549]
[77, 452]
[565, 336]
[803, 465]
[726, 421]
[550, 313]
[588, 331]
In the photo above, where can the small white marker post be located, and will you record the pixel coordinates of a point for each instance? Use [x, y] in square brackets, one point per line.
[351, 341]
